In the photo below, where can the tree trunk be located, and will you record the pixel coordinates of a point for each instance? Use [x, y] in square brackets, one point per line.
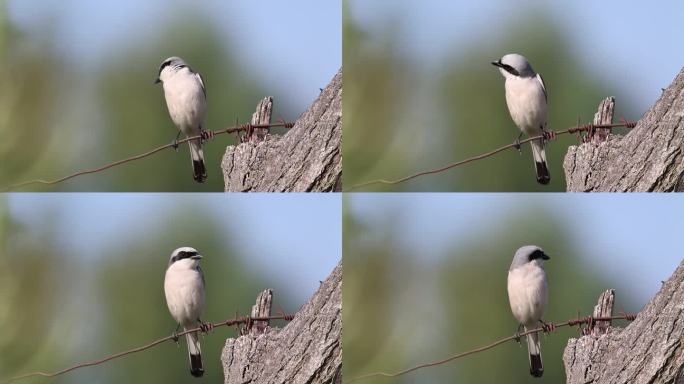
[307, 350]
[649, 350]
[649, 158]
[305, 159]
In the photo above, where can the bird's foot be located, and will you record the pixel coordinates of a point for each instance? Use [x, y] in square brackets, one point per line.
[517, 333]
[548, 135]
[207, 135]
[205, 327]
[174, 143]
[516, 143]
[174, 335]
[547, 327]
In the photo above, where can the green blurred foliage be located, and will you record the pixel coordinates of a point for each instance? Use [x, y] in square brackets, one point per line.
[56, 119]
[27, 102]
[402, 116]
[401, 311]
[29, 288]
[59, 306]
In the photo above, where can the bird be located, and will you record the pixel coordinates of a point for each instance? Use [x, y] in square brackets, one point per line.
[528, 296]
[184, 291]
[526, 99]
[186, 100]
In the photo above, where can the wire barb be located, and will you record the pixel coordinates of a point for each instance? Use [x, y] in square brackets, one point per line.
[515, 337]
[516, 144]
[208, 134]
[203, 327]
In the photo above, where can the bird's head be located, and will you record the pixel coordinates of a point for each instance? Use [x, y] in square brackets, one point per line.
[529, 254]
[170, 67]
[186, 256]
[514, 65]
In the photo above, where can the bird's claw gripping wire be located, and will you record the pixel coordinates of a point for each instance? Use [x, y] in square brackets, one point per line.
[547, 327]
[174, 335]
[207, 135]
[517, 334]
[174, 143]
[549, 135]
[205, 327]
[516, 143]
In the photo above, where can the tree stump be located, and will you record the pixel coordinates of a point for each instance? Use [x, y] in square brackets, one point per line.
[306, 159]
[649, 350]
[307, 350]
[647, 159]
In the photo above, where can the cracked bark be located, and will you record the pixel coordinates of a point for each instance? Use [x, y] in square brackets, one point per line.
[649, 350]
[307, 350]
[305, 159]
[648, 158]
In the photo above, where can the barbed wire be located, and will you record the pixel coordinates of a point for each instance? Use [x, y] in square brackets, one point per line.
[233, 129]
[575, 129]
[205, 328]
[550, 327]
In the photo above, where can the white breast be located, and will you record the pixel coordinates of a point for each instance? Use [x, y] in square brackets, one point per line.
[184, 292]
[186, 101]
[526, 103]
[527, 293]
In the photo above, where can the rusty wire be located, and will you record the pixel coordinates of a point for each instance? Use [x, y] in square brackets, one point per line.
[577, 128]
[248, 128]
[203, 328]
[550, 327]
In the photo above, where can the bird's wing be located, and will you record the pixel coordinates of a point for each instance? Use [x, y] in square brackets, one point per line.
[199, 77]
[541, 81]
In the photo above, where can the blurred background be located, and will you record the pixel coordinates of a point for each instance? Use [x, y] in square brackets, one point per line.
[420, 91]
[81, 275]
[77, 82]
[425, 275]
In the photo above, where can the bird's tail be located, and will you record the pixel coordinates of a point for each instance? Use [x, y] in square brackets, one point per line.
[196, 367]
[199, 172]
[533, 347]
[539, 154]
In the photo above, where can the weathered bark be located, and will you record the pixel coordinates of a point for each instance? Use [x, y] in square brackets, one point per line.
[307, 350]
[649, 158]
[649, 350]
[306, 159]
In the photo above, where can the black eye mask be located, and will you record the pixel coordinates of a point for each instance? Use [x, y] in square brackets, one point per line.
[183, 255]
[538, 254]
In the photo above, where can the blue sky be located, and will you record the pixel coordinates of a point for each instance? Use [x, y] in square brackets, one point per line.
[634, 237]
[273, 37]
[635, 45]
[303, 245]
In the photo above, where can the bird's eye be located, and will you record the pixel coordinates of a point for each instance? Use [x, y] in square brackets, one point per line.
[537, 254]
[511, 70]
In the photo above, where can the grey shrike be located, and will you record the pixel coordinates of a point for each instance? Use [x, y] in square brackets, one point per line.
[526, 100]
[184, 290]
[186, 100]
[528, 295]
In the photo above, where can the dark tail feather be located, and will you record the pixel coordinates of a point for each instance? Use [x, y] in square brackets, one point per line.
[196, 368]
[536, 368]
[543, 176]
[199, 172]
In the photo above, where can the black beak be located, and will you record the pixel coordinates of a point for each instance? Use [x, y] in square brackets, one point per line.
[157, 81]
[497, 63]
[545, 256]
